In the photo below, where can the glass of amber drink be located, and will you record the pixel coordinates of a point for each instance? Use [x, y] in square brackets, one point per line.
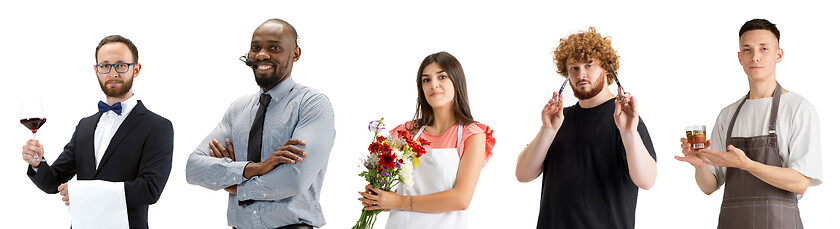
[696, 136]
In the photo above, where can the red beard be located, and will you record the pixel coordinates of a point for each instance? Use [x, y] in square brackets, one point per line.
[597, 87]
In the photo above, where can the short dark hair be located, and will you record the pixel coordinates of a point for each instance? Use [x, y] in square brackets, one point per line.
[120, 39]
[759, 24]
[286, 24]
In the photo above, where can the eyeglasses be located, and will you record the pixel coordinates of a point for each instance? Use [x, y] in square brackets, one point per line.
[106, 68]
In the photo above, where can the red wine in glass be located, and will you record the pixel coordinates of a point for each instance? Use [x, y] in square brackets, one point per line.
[32, 117]
[33, 123]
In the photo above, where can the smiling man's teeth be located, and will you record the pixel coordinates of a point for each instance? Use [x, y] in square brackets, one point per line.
[264, 67]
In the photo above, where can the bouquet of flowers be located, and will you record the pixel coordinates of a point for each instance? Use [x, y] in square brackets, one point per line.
[392, 160]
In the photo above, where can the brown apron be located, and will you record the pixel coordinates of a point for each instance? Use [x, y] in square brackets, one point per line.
[749, 202]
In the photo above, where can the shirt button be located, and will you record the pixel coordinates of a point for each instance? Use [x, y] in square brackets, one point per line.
[255, 212]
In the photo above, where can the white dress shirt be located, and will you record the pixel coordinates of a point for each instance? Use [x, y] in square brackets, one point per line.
[108, 125]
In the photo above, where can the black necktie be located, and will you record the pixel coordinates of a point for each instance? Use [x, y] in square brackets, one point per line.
[255, 137]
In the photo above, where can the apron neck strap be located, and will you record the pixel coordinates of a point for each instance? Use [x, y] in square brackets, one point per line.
[774, 111]
[460, 132]
[417, 135]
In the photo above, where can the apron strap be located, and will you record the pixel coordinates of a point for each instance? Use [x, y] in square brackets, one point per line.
[774, 111]
[457, 144]
[417, 135]
[460, 132]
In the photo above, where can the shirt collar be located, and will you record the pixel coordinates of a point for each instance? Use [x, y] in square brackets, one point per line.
[282, 89]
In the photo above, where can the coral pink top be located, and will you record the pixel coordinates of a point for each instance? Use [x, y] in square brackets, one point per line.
[448, 139]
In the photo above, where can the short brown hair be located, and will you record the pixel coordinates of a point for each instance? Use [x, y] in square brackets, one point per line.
[120, 39]
[585, 46]
[759, 24]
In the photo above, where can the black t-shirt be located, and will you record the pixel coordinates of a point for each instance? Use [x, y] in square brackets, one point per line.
[586, 182]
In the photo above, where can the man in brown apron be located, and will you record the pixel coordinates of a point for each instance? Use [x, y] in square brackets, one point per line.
[772, 144]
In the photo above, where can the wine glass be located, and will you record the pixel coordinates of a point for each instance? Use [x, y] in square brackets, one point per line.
[32, 117]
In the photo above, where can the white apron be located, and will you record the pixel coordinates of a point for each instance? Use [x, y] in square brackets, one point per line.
[435, 173]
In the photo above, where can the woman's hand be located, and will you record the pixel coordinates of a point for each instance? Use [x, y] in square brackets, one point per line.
[376, 199]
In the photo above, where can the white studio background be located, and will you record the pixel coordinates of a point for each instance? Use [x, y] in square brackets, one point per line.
[677, 58]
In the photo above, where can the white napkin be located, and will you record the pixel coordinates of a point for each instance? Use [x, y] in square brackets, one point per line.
[97, 204]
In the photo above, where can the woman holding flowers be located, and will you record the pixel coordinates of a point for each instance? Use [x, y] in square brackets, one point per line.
[445, 177]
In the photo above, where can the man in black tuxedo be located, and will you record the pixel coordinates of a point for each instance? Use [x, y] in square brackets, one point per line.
[123, 144]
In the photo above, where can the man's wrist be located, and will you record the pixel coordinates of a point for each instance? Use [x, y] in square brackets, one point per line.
[252, 169]
[628, 134]
[37, 166]
[749, 165]
[549, 130]
[701, 168]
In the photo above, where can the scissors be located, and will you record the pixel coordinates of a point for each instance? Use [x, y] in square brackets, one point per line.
[621, 90]
[561, 91]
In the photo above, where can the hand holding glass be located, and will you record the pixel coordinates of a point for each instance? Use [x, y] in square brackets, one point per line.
[32, 117]
[696, 136]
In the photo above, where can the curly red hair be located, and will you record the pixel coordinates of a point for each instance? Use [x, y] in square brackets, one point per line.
[585, 46]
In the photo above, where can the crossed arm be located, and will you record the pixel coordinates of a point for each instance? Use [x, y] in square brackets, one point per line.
[283, 174]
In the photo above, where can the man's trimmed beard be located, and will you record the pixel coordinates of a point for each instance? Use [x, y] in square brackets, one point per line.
[597, 87]
[269, 81]
[275, 77]
[119, 91]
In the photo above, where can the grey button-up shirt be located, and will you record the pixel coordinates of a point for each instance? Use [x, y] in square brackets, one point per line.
[290, 193]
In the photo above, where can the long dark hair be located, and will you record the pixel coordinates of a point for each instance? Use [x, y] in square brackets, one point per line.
[424, 115]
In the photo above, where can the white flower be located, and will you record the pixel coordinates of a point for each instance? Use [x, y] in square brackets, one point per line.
[407, 173]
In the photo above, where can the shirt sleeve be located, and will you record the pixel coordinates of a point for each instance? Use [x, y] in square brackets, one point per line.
[804, 145]
[646, 140]
[316, 127]
[476, 128]
[210, 172]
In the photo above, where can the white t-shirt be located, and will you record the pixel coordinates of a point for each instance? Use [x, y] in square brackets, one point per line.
[797, 130]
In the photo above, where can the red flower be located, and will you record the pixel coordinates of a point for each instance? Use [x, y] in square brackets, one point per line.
[379, 147]
[424, 141]
[404, 135]
[386, 160]
[420, 152]
[380, 138]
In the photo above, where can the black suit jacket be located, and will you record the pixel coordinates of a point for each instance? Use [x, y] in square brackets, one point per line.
[140, 155]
